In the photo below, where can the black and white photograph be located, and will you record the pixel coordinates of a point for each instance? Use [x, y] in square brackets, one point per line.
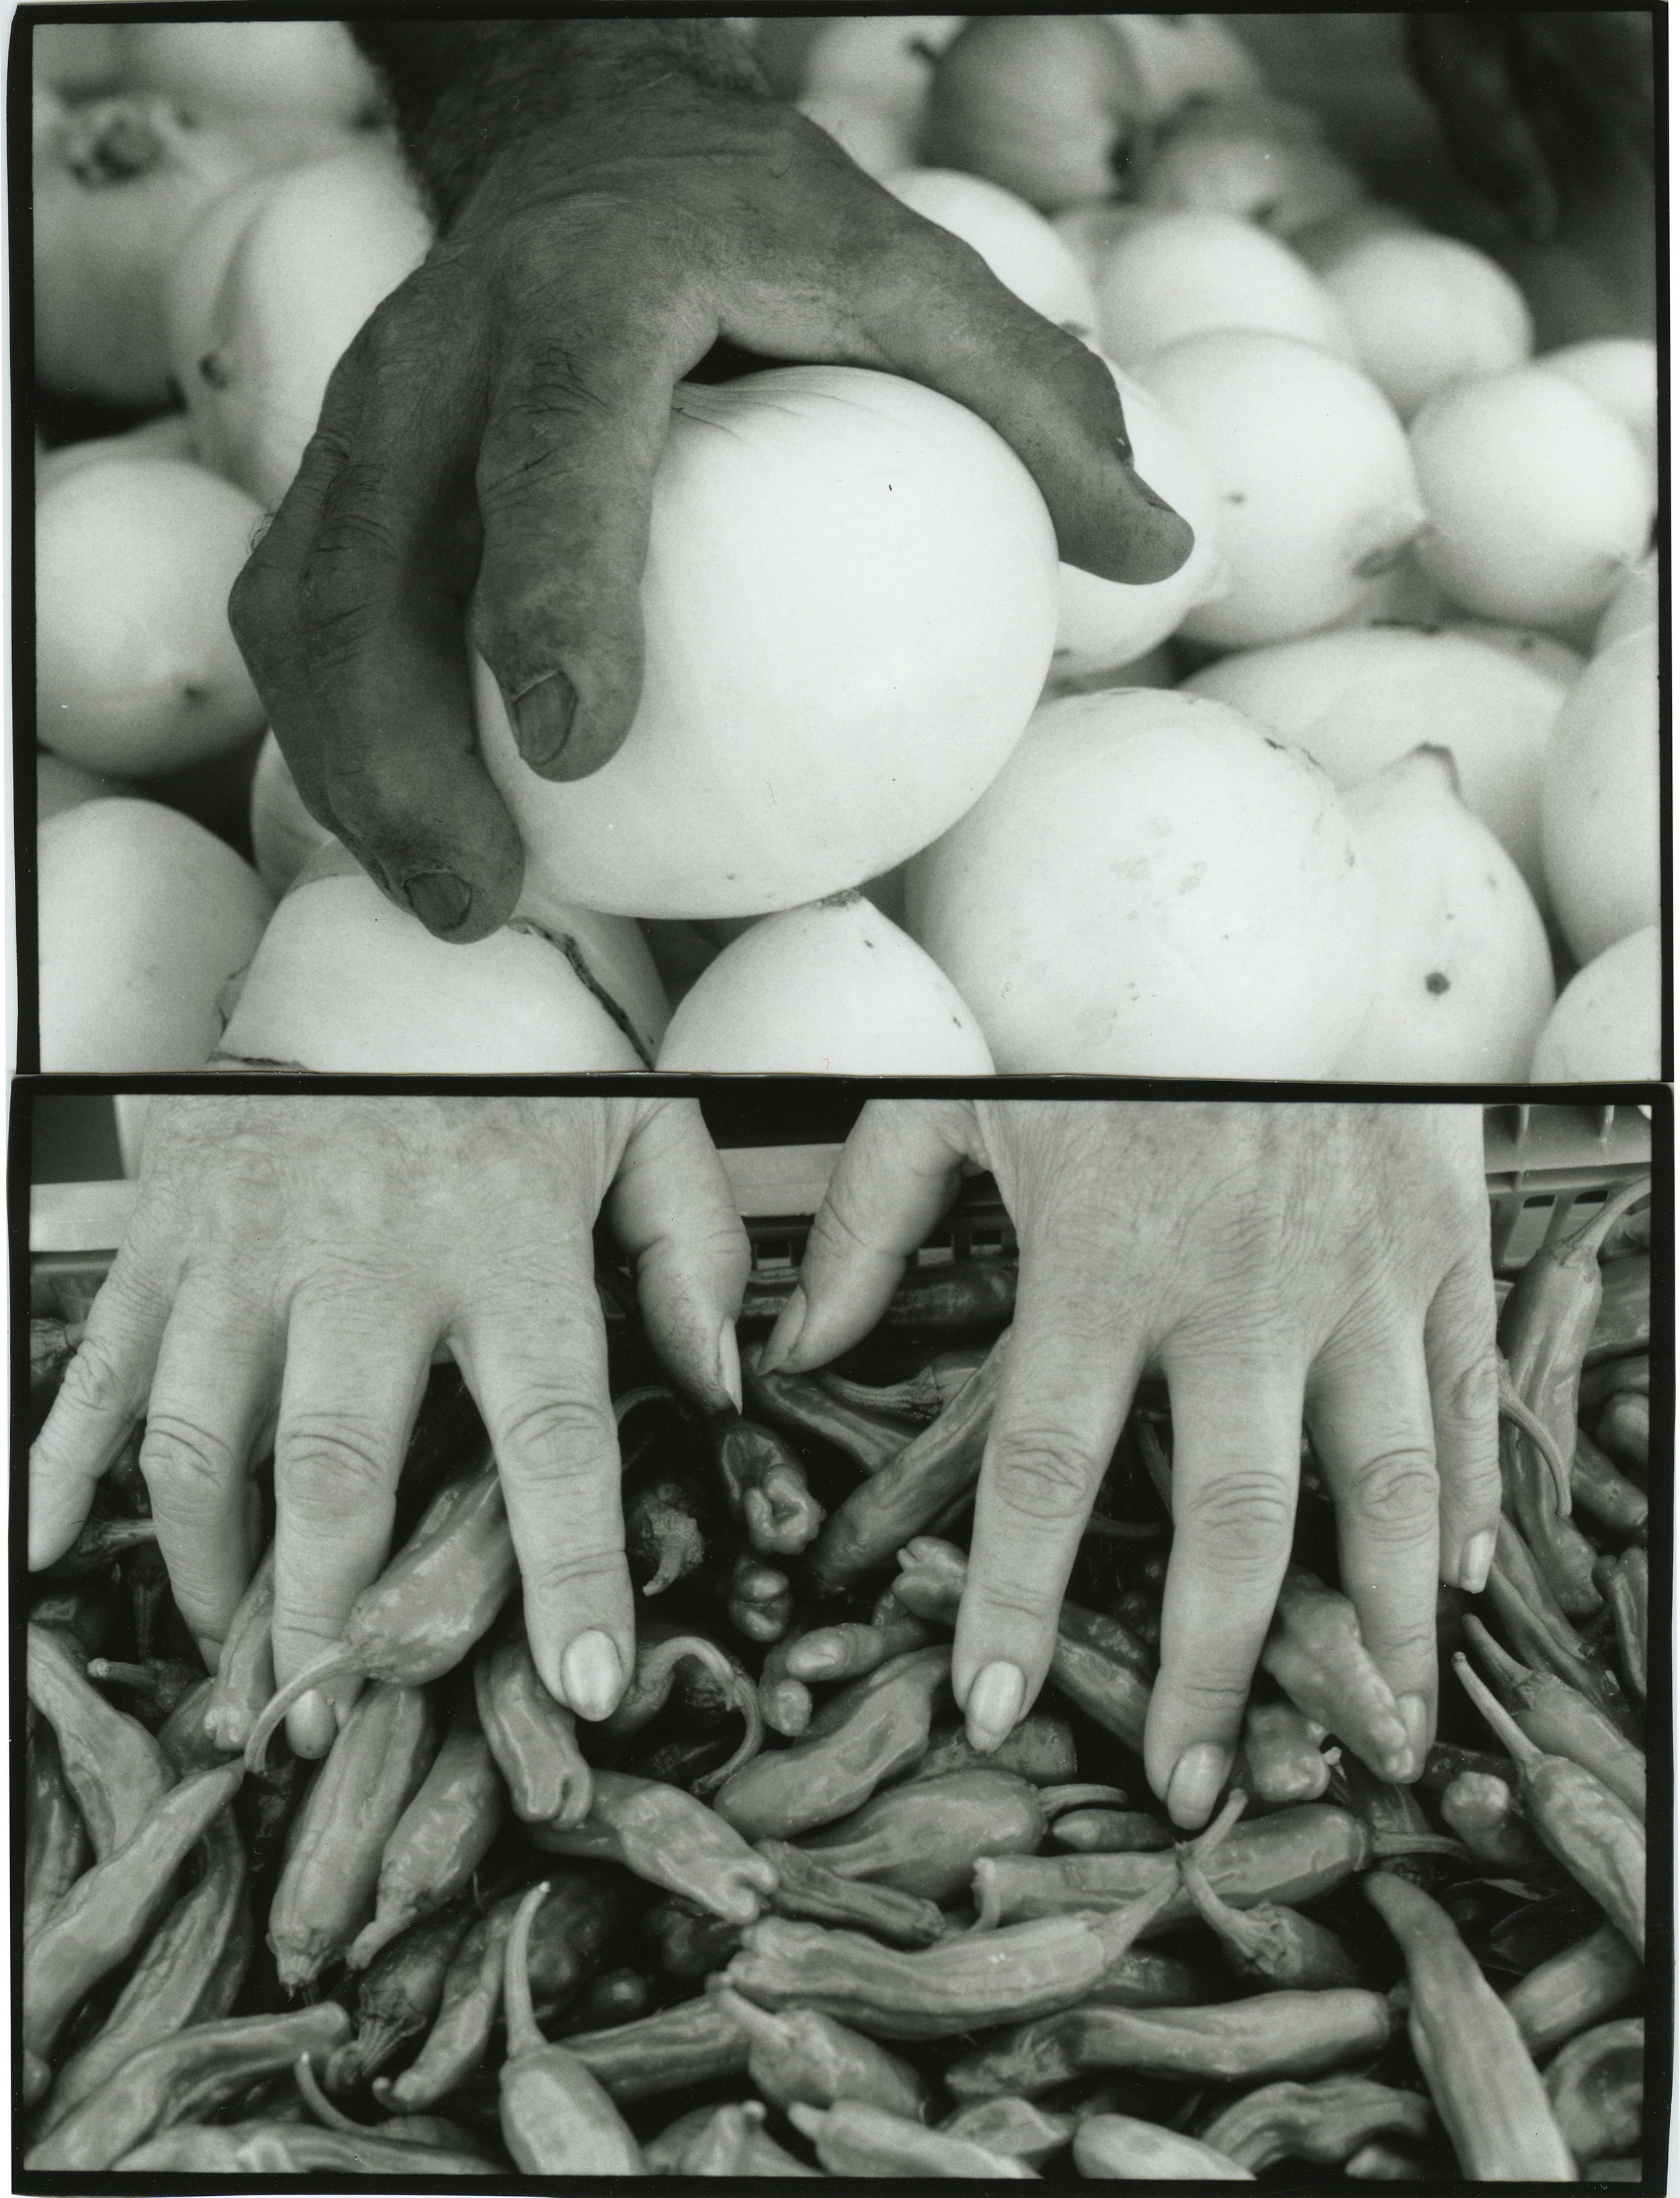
[1028, 1638]
[878, 544]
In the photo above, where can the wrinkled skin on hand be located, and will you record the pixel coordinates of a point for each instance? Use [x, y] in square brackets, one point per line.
[1274, 1262]
[617, 199]
[291, 1268]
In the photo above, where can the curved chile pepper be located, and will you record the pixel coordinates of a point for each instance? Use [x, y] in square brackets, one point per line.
[766, 1486]
[1596, 2087]
[802, 2053]
[1625, 1582]
[556, 2120]
[1276, 2034]
[921, 1396]
[401, 2129]
[108, 1911]
[272, 2149]
[1120, 2147]
[828, 1775]
[806, 1887]
[1040, 1749]
[56, 1849]
[1486, 2087]
[532, 1737]
[1285, 1760]
[186, 2079]
[693, 2043]
[669, 1838]
[1482, 1813]
[440, 1838]
[182, 1737]
[854, 2138]
[472, 1993]
[115, 1768]
[1574, 1989]
[1112, 1831]
[190, 1972]
[371, 1773]
[1613, 1377]
[399, 1991]
[1017, 2129]
[244, 1678]
[1325, 2122]
[1606, 1494]
[853, 1650]
[1538, 1627]
[1317, 1656]
[1561, 1722]
[1265, 1945]
[439, 1594]
[1597, 1838]
[1624, 1426]
[798, 1405]
[925, 1838]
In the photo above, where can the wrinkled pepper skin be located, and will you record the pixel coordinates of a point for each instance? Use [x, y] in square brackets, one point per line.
[806, 1887]
[1285, 1762]
[108, 1911]
[1040, 1749]
[925, 1838]
[185, 2078]
[1596, 2087]
[1015, 2127]
[1277, 2034]
[244, 1678]
[1486, 2087]
[556, 2120]
[115, 1768]
[1561, 1722]
[1326, 2122]
[669, 1838]
[853, 2138]
[766, 1486]
[399, 1992]
[56, 1849]
[440, 1838]
[382, 1753]
[532, 1737]
[190, 1972]
[1575, 1989]
[802, 2053]
[693, 2043]
[1118, 2148]
[467, 2010]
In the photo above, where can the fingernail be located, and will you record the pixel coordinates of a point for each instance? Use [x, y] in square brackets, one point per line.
[1477, 1561]
[994, 1706]
[1193, 1787]
[592, 1676]
[785, 1335]
[542, 720]
[442, 901]
[310, 1726]
[1414, 1717]
[728, 1364]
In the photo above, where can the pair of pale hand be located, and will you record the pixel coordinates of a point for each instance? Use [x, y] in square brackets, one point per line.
[293, 1265]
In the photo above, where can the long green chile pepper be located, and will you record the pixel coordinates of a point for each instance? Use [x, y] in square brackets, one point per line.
[1277, 2034]
[1576, 1988]
[108, 1910]
[244, 1678]
[800, 1406]
[823, 1777]
[1625, 1582]
[1596, 2087]
[852, 1651]
[922, 1395]
[966, 1982]
[190, 1971]
[1119, 2147]
[693, 2043]
[373, 1771]
[1623, 1322]
[1017, 2129]
[799, 2053]
[905, 1496]
[1316, 1653]
[100, 1543]
[439, 1593]
[1540, 1630]
[472, 1993]
[1561, 1722]
[1606, 1494]
[182, 1735]
[1265, 1945]
[56, 1849]
[440, 1838]
[669, 1838]
[855, 2138]
[1112, 1831]
[1482, 1813]
[1285, 1761]
[114, 1767]
[1393, 1811]
[807, 1888]
[532, 1737]
[1597, 1838]
[1040, 1749]
[1486, 2087]
[728, 2141]
[705, 1679]
[398, 1993]
[925, 1838]
[1292, 1856]
[1326, 2122]
[556, 2120]
[1624, 1426]
[1614, 1377]
[184, 2080]
[275, 2149]
[431, 2130]
[765, 1483]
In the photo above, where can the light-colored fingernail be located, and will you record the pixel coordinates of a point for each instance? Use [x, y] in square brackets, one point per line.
[592, 1676]
[785, 1335]
[1414, 1716]
[310, 1725]
[1477, 1561]
[1193, 1787]
[994, 1705]
[728, 1364]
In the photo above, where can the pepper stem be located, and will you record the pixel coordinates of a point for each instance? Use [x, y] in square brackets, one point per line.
[1057, 1799]
[320, 2105]
[337, 1662]
[1506, 1669]
[523, 2035]
[1520, 1748]
[758, 2023]
[1512, 1407]
[1592, 1234]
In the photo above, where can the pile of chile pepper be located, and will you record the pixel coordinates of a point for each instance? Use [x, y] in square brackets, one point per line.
[773, 1917]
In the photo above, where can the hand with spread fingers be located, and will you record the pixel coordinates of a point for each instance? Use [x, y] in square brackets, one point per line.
[614, 200]
[1276, 1262]
[292, 1268]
